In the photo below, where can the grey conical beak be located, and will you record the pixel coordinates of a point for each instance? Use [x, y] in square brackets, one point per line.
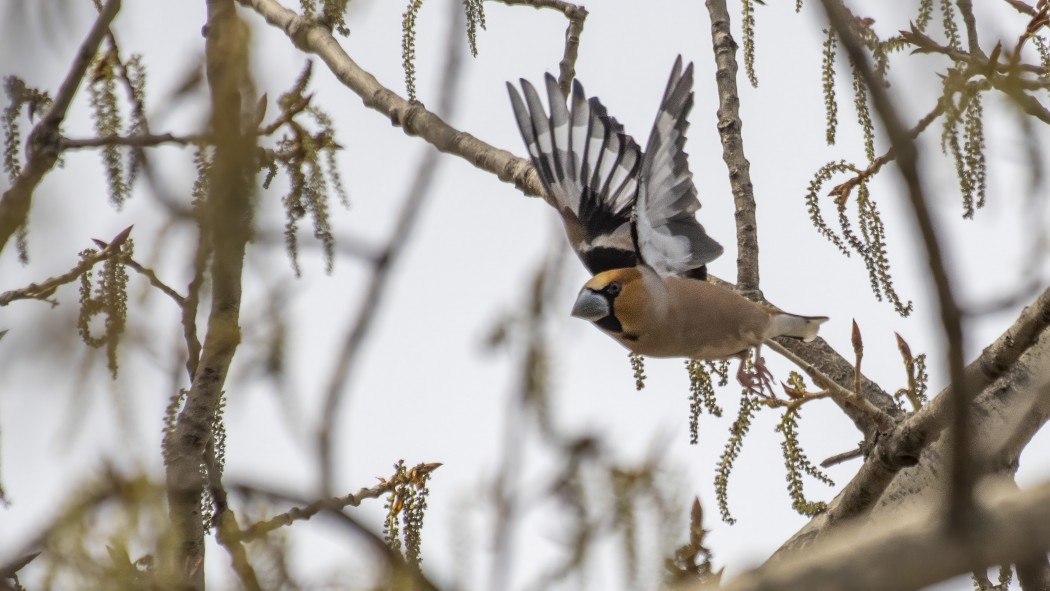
[590, 305]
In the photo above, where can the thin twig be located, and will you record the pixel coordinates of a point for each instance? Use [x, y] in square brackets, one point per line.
[826, 367]
[390, 558]
[843, 396]
[41, 149]
[1021, 7]
[966, 8]
[842, 190]
[149, 274]
[842, 457]
[43, 290]
[576, 15]
[134, 141]
[978, 63]
[729, 131]
[263, 528]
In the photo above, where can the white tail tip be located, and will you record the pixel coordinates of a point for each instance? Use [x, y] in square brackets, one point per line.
[800, 327]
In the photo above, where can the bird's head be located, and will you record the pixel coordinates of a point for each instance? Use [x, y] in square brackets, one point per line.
[615, 300]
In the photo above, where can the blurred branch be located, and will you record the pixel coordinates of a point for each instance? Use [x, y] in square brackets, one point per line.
[149, 274]
[383, 263]
[263, 528]
[134, 141]
[201, 255]
[576, 15]
[345, 244]
[42, 291]
[963, 474]
[529, 399]
[41, 149]
[392, 560]
[729, 131]
[1021, 7]
[1013, 527]
[226, 219]
[314, 38]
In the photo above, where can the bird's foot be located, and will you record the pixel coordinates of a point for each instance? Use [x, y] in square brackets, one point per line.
[760, 381]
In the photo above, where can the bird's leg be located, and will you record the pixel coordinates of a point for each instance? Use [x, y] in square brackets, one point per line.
[760, 382]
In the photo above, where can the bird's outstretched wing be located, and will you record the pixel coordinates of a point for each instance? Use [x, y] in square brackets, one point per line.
[614, 201]
[665, 229]
[589, 168]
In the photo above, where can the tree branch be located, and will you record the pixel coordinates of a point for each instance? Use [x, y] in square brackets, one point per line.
[42, 151]
[412, 118]
[903, 446]
[960, 495]
[263, 528]
[384, 262]
[42, 291]
[134, 141]
[576, 15]
[921, 551]
[226, 219]
[729, 131]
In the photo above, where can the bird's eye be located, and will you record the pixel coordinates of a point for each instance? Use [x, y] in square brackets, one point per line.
[613, 288]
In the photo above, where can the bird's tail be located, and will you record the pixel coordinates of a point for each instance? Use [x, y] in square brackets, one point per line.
[800, 327]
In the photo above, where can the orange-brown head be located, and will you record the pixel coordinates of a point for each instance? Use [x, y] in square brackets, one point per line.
[616, 301]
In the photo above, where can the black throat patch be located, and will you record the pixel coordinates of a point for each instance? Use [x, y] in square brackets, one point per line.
[610, 322]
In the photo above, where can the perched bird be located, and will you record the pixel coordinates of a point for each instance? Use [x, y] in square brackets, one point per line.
[631, 219]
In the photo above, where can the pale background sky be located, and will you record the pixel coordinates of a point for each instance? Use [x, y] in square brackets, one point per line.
[469, 261]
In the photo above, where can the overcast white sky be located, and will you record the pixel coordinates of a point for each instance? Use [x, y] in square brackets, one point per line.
[470, 261]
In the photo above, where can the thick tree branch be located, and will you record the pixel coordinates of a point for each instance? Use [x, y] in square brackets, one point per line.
[919, 550]
[729, 131]
[42, 151]
[226, 220]
[903, 446]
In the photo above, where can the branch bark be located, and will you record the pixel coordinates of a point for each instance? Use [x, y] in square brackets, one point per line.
[414, 119]
[919, 550]
[42, 146]
[226, 220]
[1013, 362]
[729, 131]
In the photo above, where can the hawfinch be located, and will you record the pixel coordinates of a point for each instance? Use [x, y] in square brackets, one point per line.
[630, 218]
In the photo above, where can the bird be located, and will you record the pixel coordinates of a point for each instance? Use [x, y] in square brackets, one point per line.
[630, 216]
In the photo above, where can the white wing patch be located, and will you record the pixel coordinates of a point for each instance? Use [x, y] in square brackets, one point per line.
[669, 238]
[621, 206]
[587, 164]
